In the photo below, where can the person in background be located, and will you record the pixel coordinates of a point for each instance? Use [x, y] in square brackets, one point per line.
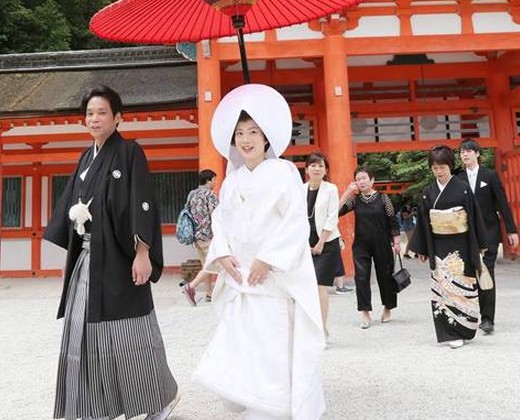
[265, 356]
[450, 234]
[112, 361]
[376, 237]
[492, 200]
[322, 212]
[408, 226]
[339, 274]
[201, 203]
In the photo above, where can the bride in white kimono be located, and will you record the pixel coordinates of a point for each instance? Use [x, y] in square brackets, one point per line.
[265, 356]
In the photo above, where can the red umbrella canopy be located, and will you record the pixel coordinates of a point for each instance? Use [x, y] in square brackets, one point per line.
[171, 21]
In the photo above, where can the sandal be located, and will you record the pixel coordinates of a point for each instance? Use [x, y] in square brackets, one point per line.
[386, 316]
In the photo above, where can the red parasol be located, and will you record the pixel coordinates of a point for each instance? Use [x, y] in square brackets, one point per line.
[172, 21]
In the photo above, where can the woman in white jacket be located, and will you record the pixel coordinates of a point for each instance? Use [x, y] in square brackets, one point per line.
[322, 212]
[265, 356]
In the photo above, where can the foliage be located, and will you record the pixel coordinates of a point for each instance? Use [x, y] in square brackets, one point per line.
[16, 26]
[379, 163]
[78, 14]
[54, 32]
[411, 167]
[48, 25]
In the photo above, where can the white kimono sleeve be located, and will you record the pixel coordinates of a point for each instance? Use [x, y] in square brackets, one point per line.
[219, 246]
[283, 249]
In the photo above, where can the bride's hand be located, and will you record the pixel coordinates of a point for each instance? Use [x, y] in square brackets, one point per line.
[231, 265]
[258, 272]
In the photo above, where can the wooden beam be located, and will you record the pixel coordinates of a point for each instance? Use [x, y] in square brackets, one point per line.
[300, 150]
[270, 50]
[512, 98]
[174, 165]
[422, 8]
[278, 77]
[30, 273]
[85, 136]
[419, 44]
[382, 109]
[416, 44]
[166, 152]
[67, 169]
[418, 72]
[509, 62]
[180, 114]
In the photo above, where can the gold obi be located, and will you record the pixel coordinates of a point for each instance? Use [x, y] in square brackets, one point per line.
[449, 222]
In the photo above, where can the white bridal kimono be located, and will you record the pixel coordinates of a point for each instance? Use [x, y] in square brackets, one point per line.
[267, 349]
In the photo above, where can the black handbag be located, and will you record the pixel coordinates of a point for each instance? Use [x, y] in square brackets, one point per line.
[401, 278]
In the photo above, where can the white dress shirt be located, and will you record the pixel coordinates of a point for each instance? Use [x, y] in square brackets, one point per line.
[472, 177]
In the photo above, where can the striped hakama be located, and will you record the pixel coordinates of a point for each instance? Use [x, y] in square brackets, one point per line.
[109, 368]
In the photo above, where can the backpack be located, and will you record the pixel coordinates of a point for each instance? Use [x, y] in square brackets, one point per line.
[185, 225]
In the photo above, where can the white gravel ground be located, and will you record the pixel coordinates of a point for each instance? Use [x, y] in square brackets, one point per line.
[392, 371]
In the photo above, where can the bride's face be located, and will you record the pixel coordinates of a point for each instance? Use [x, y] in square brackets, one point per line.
[250, 142]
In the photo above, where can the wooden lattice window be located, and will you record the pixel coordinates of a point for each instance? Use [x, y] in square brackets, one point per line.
[12, 202]
[171, 190]
[58, 183]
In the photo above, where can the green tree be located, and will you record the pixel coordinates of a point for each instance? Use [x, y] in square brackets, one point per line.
[54, 33]
[49, 25]
[17, 27]
[380, 163]
[412, 167]
[42, 28]
[32, 4]
[78, 14]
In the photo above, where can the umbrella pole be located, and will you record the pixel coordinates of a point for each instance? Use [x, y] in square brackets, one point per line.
[238, 23]
[243, 56]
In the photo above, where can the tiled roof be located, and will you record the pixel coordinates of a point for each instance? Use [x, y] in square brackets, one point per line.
[44, 83]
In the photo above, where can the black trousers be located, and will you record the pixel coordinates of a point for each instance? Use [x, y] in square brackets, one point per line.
[383, 256]
[487, 298]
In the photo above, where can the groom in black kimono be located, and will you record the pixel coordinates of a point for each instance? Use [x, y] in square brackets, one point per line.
[492, 200]
[112, 359]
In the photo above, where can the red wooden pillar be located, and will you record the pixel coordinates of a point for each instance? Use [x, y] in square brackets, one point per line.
[498, 88]
[36, 216]
[1, 190]
[321, 107]
[209, 93]
[339, 137]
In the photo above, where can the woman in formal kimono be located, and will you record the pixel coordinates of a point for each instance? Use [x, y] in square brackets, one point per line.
[449, 233]
[377, 238]
[322, 211]
[112, 360]
[265, 356]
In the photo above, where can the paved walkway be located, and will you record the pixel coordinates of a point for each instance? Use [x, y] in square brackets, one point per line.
[392, 371]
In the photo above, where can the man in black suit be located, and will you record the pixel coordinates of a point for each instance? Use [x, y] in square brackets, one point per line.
[492, 200]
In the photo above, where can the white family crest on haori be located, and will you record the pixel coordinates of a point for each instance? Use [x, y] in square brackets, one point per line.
[266, 106]
[79, 214]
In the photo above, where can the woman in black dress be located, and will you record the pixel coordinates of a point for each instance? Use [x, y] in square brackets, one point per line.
[376, 237]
